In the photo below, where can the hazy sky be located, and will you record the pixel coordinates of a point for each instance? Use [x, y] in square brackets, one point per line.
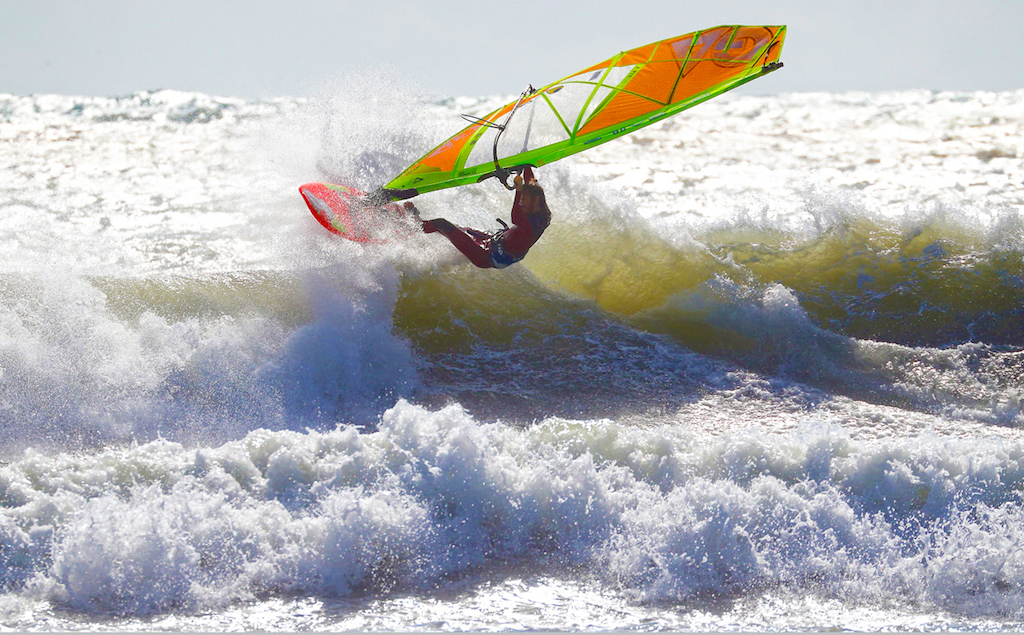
[257, 48]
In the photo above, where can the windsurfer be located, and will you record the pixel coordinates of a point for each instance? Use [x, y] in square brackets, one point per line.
[499, 249]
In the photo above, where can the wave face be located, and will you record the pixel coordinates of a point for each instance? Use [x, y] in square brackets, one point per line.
[764, 371]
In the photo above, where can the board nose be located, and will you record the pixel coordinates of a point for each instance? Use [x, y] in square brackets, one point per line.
[316, 203]
[307, 192]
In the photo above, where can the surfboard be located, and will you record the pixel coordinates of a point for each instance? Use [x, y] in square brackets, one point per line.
[349, 213]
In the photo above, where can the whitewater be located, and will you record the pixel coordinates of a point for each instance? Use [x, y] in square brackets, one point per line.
[765, 371]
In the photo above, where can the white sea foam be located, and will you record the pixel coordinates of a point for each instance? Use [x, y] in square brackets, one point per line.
[656, 513]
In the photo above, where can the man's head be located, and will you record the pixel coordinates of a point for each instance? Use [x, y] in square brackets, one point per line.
[532, 198]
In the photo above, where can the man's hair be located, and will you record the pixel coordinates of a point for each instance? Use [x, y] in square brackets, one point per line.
[538, 191]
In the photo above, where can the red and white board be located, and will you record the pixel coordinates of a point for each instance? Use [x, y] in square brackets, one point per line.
[345, 211]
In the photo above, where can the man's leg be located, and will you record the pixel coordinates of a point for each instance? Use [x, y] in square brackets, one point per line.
[471, 249]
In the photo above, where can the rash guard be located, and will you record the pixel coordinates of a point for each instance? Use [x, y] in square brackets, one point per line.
[499, 249]
[526, 229]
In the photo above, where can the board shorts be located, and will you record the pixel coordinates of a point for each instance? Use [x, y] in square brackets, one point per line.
[499, 257]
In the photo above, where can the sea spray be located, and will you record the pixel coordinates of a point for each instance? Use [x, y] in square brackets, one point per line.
[77, 371]
[348, 364]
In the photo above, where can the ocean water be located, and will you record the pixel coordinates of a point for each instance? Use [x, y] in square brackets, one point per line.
[765, 371]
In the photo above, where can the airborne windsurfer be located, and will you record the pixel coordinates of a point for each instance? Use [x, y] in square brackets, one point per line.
[530, 217]
[605, 101]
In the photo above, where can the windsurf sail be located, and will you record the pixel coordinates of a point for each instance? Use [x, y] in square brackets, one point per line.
[603, 102]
